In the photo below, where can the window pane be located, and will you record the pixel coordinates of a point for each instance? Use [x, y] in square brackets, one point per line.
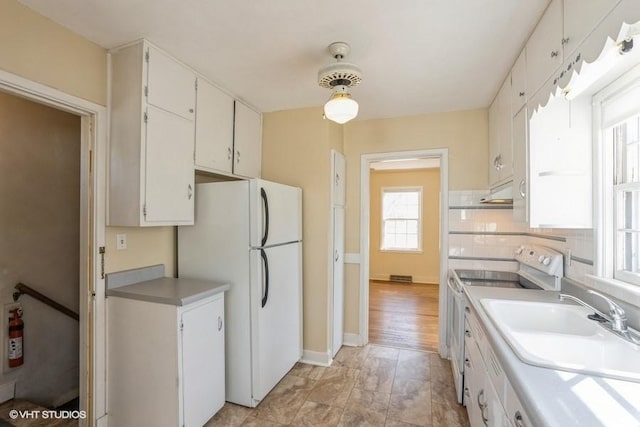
[401, 216]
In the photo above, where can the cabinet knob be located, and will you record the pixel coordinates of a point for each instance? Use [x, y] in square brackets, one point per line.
[189, 192]
[555, 53]
[237, 156]
[229, 153]
[467, 334]
[191, 110]
[466, 310]
[518, 421]
[521, 94]
[467, 363]
[565, 41]
[219, 323]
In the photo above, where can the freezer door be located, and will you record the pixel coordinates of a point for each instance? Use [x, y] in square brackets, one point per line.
[276, 211]
[276, 303]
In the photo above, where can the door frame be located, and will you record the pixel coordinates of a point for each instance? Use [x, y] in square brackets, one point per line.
[365, 162]
[93, 178]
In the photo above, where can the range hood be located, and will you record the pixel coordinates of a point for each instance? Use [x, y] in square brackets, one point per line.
[502, 195]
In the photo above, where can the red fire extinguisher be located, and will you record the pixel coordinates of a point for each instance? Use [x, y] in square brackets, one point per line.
[16, 327]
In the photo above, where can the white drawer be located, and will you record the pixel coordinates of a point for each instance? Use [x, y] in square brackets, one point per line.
[515, 412]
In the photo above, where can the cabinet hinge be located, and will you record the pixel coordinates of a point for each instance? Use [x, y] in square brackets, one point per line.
[196, 84]
[146, 91]
[144, 211]
[146, 56]
[146, 117]
[181, 325]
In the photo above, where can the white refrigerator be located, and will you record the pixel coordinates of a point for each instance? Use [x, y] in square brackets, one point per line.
[249, 234]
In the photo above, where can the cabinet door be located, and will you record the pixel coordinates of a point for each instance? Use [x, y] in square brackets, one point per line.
[338, 279]
[505, 162]
[247, 142]
[170, 85]
[544, 47]
[520, 181]
[580, 17]
[202, 362]
[168, 174]
[518, 83]
[494, 143]
[339, 171]
[214, 128]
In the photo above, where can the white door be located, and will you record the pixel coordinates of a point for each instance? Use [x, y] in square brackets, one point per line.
[276, 211]
[276, 300]
[339, 168]
[338, 279]
[214, 128]
[202, 361]
[247, 142]
[170, 85]
[169, 178]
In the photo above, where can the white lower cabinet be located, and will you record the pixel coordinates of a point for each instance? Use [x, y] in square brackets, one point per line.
[166, 363]
[488, 395]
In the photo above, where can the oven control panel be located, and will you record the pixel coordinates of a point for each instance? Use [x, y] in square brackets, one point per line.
[541, 258]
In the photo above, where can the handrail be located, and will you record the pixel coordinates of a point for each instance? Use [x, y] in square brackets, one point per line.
[24, 289]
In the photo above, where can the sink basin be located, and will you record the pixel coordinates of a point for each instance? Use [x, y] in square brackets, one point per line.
[560, 336]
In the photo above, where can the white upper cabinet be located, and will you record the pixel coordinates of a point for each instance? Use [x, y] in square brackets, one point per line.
[247, 142]
[170, 85]
[544, 47]
[500, 145]
[214, 129]
[580, 18]
[520, 176]
[518, 83]
[151, 179]
[560, 148]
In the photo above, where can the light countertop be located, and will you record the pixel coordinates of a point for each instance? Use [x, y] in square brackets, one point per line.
[557, 398]
[149, 284]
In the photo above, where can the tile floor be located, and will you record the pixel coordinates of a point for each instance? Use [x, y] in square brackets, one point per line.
[365, 386]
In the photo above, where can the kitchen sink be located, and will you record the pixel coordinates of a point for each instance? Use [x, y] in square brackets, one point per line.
[560, 336]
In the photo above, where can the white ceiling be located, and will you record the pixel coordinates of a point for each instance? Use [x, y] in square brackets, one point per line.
[417, 56]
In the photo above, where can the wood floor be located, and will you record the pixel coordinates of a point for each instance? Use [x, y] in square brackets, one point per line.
[403, 315]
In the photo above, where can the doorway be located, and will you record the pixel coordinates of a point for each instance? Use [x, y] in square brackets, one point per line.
[395, 312]
[90, 200]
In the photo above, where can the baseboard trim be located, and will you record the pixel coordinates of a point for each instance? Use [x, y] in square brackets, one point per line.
[351, 340]
[317, 358]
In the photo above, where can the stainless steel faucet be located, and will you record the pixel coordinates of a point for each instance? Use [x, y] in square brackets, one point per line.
[616, 319]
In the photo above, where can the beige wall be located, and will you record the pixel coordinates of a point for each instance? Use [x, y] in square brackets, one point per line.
[40, 224]
[296, 151]
[423, 266]
[464, 133]
[40, 50]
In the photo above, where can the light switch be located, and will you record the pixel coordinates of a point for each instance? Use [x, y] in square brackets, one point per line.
[121, 241]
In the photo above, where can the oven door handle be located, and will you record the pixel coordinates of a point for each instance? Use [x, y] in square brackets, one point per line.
[451, 283]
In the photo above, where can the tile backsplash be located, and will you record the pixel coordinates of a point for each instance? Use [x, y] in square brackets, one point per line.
[486, 236]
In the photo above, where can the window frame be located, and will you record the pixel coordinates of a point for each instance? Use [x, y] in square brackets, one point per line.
[420, 219]
[607, 190]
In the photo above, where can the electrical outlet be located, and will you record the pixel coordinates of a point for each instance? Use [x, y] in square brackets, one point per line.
[121, 241]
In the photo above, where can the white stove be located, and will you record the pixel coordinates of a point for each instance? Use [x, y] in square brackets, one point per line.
[539, 268]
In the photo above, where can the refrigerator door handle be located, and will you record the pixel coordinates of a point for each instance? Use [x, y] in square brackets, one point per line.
[265, 292]
[265, 234]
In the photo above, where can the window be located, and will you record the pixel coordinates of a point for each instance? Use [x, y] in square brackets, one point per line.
[619, 112]
[401, 219]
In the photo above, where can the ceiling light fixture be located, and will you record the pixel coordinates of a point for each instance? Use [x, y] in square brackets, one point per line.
[339, 77]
